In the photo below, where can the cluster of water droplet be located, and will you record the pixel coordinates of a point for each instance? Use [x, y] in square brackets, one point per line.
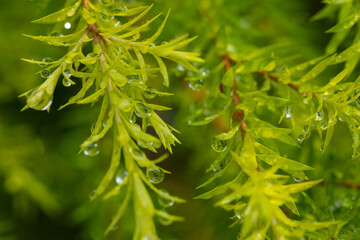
[305, 134]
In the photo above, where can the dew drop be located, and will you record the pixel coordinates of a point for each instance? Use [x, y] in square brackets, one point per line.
[39, 100]
[151, 45]
[46, 60]
[106, 123]
[322, 148]
[164, 201]
[323, 125]
[118, 9]
[288, 111]
[66, 82]
[142, 110]
[67, 25]
[305, 129]
[133, 118]
[196, 85]
[92, 149]
[67, 73]
[219, 145]
[133, 78]
[180, 68]
[121, 176]
[45, 73]
[301, 137]
[297, 179]
[164, 221]
[57, 34]
[155, 175]
[149, 93]
[319, 115]
[92, 194]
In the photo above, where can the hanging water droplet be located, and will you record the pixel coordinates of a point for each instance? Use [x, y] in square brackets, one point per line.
[39, 100]
[219, 145]
[66, 82]
[164, 201]
[67, 73]
[133, 118]
[121, 176]
[322, 148]
[71, 12]
[323, 125]
[196, 85]
[288, 111]
[149, 93]
[106, 123]
[297, 179]
[46, 60]
[340, 119]
[319, 115]
[301, 137]
[92, 194]
[133, 78]
[180, 68]
[142, 110]
[124, 104]
[67, 25]
[92, 149]
[218, 169]
[305, 129]
[155, 175]
[57, 34]
[45, 73]
[118, 9]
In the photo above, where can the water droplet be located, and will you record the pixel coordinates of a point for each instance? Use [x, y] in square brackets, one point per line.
[323, 125]
[301, 137]
[92, 149]
[142, 110]
[297, 179]
[133, 118]
[149, 93]
[219, 145]
[57, 34]
[46, 60]
[163, 43]
[340, 119]
[218, 168]
[322, 148]
[106, 123]
[133, 78]
[196, 85]
[45, 73]
[105, 17]
[66, 82]
[124, 104]
[305, 129]
[319, 115]
[67, 73]
[67, 25]
[180, 68]
[92, 194]
[151, 45]
[39, 100]
[121, 176]
[288, 111]
[155, 175]
[164, 201]
[118, 9]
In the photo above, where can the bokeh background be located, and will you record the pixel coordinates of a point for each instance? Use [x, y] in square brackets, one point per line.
[45, 184]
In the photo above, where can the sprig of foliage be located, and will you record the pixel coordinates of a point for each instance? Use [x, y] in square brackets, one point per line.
[117, 72]
[253, 83]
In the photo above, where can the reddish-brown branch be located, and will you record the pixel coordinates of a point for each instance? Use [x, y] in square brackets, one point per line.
[238, 115]
[85, 4]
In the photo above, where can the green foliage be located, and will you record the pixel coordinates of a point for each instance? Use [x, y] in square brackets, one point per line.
[276, 101]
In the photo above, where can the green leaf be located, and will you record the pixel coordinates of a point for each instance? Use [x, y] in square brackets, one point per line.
[347, 23]
[59, 16]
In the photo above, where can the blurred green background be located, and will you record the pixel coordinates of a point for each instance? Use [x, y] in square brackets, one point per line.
[45, 184]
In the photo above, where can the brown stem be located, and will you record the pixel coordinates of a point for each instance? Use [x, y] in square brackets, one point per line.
[85, 4]
[238, 115]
